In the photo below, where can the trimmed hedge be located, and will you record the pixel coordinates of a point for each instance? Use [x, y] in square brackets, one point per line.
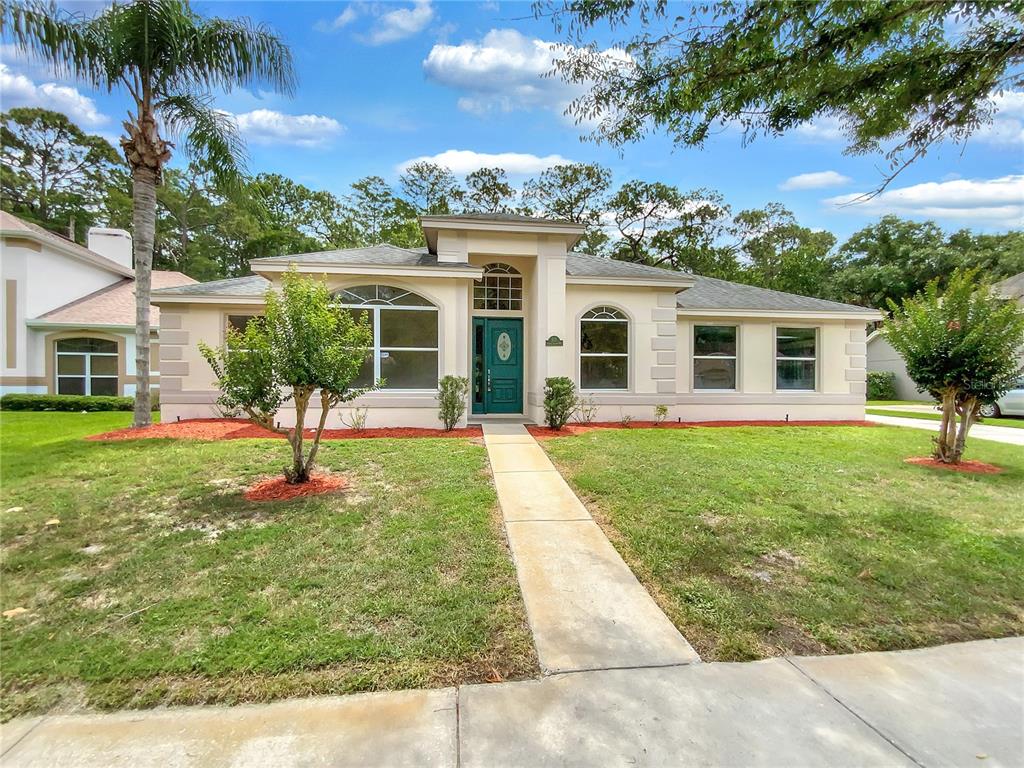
[881, 385]
[25, 402]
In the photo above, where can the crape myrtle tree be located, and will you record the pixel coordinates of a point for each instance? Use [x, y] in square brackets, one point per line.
[169, 60]
[960, 347]
[305, 343]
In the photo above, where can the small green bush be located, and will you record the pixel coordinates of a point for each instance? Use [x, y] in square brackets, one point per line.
[881, 385]
[25, 402]
[452, 392]
[560, 401]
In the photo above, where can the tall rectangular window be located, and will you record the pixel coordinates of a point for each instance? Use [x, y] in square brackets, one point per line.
[714, 357]
[604, 349]
[796, 358]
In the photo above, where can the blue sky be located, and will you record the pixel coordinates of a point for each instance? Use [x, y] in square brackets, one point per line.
[383, 84]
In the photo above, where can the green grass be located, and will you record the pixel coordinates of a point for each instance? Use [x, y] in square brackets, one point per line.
[162, 585]
[767, 541]
[1002, 421]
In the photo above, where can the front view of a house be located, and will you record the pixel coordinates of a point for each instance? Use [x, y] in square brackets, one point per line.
[504, 301]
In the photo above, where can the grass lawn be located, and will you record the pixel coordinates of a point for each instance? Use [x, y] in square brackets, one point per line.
[898, 402]
[767, 541]
[1002, 421]
[162, 585]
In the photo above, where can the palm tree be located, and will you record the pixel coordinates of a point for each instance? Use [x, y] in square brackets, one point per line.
[169, 60]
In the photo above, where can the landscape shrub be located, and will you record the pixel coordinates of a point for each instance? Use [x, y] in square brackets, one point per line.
[451, 400]
[26, 402]
[881, 385]
[560, 401]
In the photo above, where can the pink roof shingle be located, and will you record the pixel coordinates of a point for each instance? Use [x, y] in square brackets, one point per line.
[115, 304]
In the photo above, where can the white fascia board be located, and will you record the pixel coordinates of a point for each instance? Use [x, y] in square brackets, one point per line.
[523, 227]
[96, 260]
[36, 323]
[369, 269]
[625, 282]
[867, 317]
[210, 298]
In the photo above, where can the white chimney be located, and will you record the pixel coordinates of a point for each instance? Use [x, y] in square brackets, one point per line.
[115, 244]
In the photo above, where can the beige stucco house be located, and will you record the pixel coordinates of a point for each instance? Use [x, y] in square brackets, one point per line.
[68, 312]
[505, 301]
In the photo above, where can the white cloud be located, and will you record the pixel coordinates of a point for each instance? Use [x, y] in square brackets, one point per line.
[401, 23]
[343, 19]
[463, 161]
[19, 91]
[824, 129]
[267, 126]
[1007, 125]
[505, 71]
[818, 180]
[984, 202]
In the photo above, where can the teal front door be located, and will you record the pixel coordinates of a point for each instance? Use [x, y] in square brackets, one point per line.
[498, 364]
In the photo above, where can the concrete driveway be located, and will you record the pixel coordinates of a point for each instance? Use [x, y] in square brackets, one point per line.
[1009, 435]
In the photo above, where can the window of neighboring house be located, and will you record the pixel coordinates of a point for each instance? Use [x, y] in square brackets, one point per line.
[604, 349]
[86, 367]
[501, 287]
[405, 336]
[714, 357]
[796, 358]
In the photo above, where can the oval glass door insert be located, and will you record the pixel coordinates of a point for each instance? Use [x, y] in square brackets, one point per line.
[504, 346]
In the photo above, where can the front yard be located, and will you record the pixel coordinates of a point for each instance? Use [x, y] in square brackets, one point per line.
[767, 541]
[1000, 421]
[160, 584]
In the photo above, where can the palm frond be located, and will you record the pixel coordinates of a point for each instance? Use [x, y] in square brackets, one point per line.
[210, 135]
[48, 34]
[228, 53]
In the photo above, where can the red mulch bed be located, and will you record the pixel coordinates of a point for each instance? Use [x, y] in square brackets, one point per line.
[544, 433]
[279, 489]
[970, 467]
[240, 429]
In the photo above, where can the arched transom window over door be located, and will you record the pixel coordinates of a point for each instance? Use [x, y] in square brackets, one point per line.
[86, 367]
[604, 349]
[501, 287]
[405, 336]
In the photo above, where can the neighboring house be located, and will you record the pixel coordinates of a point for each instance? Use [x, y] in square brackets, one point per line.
[882, 357]
[69, 312]
[504, 301]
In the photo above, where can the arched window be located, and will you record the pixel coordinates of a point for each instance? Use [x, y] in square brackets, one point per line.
[604, 349]
[405, 336]
[501, 287]
[86, 367]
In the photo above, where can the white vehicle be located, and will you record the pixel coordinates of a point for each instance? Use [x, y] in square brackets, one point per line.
[1010, 404]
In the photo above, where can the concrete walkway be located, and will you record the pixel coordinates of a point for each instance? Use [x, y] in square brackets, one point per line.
[586, 608]
[1010, 435]
[954, 705]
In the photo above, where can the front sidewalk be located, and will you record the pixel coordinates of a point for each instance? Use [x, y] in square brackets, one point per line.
[951, 705]
[1010, 435]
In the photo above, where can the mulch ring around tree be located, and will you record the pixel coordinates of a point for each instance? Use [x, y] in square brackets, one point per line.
[279, 489]
[970, 467]
[240, 429]
[546, 433]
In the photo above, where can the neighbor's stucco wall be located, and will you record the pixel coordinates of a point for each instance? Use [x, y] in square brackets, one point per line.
[882, 357]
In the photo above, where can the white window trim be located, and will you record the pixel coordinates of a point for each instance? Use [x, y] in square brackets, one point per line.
[87, 375]
[375, 309]
[815, 359]
[694, 356]
[580, 354]
[507, 271]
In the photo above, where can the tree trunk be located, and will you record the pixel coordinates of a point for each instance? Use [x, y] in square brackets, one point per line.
[967, 419]
[325, 409]
[144, 181]
[947, 429]
[299, 472]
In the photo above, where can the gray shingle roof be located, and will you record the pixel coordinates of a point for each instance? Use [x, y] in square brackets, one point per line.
[1012, 287]
[586, 265]
[712, 293]
[383, 255]
[251, 285]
